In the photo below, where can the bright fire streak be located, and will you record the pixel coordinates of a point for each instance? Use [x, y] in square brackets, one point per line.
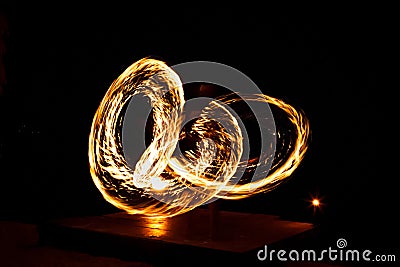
[283, 167]
[158, 184]
[207, 172]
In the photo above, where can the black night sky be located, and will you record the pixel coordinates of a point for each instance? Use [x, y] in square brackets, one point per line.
[60, 61]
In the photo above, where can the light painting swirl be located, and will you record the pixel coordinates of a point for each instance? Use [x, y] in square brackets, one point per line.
[168, 179]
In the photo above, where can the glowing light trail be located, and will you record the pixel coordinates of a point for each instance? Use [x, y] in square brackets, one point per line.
[163, 183]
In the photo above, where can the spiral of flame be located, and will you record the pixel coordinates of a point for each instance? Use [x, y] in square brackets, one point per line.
[163, 184]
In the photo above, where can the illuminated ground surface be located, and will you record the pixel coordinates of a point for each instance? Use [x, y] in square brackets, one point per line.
[19, 247]
[119, 239]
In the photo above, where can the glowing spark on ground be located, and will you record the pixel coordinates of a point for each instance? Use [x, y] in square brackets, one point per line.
[163, 184]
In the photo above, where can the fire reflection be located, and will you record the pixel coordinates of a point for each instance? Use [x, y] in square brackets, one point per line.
[156, 227]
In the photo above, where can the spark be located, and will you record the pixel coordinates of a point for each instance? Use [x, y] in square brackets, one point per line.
[315, 202]
[197, 176]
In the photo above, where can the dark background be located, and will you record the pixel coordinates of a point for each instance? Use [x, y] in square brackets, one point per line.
[61, 60]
